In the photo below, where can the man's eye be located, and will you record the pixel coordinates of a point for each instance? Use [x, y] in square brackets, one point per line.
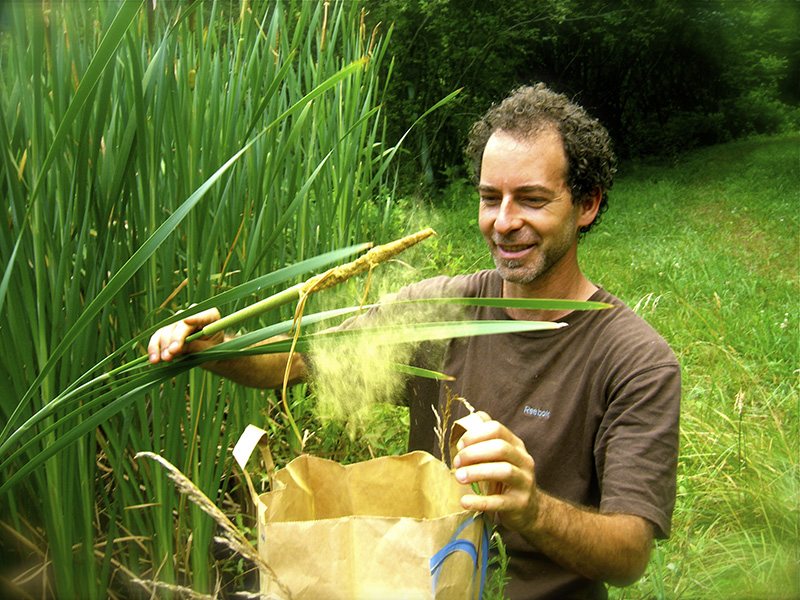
[490, 199]
[534, 201]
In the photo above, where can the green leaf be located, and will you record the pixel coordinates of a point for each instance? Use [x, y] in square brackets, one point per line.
[385, 335]
[420, 372]
[105, 52]
[120, 278]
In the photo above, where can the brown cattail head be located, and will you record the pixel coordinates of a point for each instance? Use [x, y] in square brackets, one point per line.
[367, 261]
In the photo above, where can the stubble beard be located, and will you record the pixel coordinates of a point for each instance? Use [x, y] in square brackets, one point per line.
[526, 271]
[517, 271]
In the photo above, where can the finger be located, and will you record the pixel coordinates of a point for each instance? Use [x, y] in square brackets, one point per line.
[489, 450]
[501, 472]
[492, 442]
[157, 348]
[167, 342]
[495, 461]
[489, 430]
[495, 450]
[509, 496]
[177, 338]
[482, 503]
[170, 342]
[154, 347]
[203, 318]
[191, 325]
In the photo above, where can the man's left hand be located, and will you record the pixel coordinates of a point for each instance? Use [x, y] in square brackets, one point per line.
[489, 453]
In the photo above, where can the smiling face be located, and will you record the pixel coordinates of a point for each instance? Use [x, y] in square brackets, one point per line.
[527, 215]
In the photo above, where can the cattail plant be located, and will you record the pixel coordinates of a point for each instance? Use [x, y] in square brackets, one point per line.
[155, 154]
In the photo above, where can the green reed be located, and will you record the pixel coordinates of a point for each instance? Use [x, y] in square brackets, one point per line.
[154, 158]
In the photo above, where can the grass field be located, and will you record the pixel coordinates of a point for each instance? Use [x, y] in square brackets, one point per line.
[706, 249]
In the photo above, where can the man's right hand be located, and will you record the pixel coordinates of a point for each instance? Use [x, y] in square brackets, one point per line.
[170, 341]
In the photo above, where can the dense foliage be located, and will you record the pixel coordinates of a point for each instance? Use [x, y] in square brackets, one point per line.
[664, 75]
[153, 158]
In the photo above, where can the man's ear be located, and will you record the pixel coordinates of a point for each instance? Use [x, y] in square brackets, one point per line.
[589, 207]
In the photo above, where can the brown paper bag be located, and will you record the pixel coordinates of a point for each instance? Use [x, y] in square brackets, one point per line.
[386, 528]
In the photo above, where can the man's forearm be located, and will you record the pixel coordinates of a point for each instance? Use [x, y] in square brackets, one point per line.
[614, 548]
[265, 371]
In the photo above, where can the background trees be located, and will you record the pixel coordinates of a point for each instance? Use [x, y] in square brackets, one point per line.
[663, 75]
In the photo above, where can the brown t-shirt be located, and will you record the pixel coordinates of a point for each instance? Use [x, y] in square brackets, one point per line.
[596, 403]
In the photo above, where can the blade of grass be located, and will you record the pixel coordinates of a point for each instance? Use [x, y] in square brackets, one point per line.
[103, 56]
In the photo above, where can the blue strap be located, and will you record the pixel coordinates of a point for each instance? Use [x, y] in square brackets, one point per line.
[458, 545]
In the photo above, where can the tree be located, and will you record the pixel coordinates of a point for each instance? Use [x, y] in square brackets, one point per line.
[662, 75]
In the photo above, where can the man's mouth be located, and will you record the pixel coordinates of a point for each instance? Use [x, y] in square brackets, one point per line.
[513, 251]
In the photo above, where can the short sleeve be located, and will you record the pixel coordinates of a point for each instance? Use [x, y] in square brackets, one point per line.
[636, 448]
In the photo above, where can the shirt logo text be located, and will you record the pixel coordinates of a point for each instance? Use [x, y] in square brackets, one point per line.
[535, 412]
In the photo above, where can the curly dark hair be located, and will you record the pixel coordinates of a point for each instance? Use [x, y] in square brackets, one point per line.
[529, 110]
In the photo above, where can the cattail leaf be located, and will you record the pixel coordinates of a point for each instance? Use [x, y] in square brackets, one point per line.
[420, 372]
[383, 335]
[121, 277]
[104, 54]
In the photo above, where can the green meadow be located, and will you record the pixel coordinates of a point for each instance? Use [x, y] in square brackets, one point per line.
[707, 250]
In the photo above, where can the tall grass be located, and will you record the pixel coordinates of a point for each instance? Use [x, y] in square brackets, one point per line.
[152, 158]
[707, 250]
[715, 266]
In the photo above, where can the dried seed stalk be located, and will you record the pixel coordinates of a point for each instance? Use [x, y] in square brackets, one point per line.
[448, 411]
[443, 422]
[465, 403]
[371, 259]
[451, 397]
[448, 407]
[231, 537]
[438, 430]
[318, 283]
[152, 586]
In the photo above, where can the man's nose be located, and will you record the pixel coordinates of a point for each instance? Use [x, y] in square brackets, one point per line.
[508, 216]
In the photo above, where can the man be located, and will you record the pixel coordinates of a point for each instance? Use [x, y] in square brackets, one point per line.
[580, 458]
